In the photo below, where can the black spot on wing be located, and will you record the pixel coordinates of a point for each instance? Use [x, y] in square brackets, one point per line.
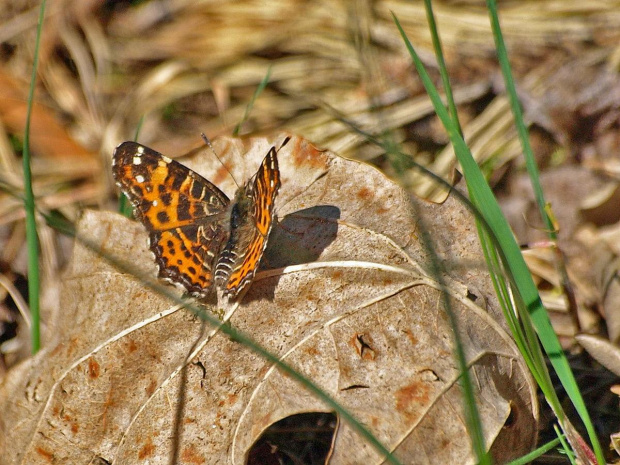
[184, 211]
[163, 217]
[197, 190]
[166, 198]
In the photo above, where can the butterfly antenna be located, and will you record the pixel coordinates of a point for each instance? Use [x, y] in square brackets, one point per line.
[208, 142]
[284, 142]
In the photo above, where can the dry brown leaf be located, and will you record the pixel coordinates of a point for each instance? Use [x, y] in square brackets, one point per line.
[109, 386]
[47, 136]
[603, 351]
[601, 206]
[603, 250]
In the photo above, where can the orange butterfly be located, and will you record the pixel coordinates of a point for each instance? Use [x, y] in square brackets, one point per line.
[199, 237]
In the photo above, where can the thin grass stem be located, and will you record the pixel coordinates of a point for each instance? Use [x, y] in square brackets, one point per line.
[34, 285]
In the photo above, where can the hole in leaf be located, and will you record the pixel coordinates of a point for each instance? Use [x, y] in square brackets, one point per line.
[303, 438]
[512, 417]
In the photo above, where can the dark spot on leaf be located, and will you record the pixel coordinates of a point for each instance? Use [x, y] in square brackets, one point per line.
[93, 368]
[146, 450]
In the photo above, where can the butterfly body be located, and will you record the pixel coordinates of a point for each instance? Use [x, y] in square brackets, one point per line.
[200, 238]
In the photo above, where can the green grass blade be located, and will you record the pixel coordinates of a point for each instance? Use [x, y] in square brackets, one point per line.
[480, 192]
[540, 451]
[474, 422]
[542, 324]
[522, 131]
[29, 204]
[410, 163]
[565, 446]
[521, 283]
[441, 63]
[504, 294]
[259, 90]
[124, 207]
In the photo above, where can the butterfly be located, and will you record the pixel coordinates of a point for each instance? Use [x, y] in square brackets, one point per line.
[200, 238]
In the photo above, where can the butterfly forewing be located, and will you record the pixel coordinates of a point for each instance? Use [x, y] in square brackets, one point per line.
[164, 193]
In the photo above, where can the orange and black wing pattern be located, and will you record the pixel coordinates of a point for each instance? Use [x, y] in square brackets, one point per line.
[252, 217]
[184, 214]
